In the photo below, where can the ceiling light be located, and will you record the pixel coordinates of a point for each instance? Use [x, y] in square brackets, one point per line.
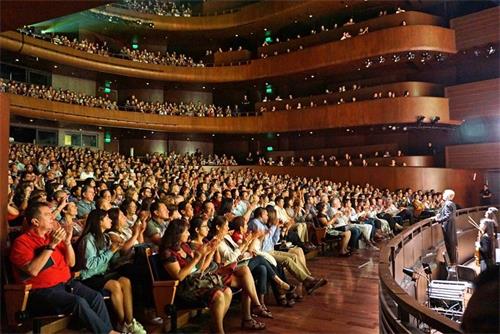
[152, 132]
[203, 87]
[17, 60]
[31, 120]
[310, 132]
[310, 16]
[147, 83]
[213, 134]
[55, 66]
[405, 128]
[236, 35]
[253, 138]
[312, 76]
[277, 135]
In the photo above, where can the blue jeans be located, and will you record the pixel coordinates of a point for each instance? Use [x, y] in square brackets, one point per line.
[86, 304]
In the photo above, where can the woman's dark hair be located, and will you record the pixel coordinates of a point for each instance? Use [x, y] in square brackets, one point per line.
[193, 225]
[237, 223]
[125, 204]
[93, 226]
[226, 206]
[172, 236]
[114, 215]
[320, 207]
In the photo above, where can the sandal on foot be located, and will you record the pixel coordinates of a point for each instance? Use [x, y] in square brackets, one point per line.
[261, 311]
[252, 324]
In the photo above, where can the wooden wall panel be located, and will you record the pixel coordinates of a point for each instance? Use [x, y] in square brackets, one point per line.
[334, 55]
[477, 29]
[476, 99]
[461, 180]
[483, 155]
[382, 111]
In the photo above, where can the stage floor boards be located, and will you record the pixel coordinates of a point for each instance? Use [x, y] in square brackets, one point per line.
[347, 304]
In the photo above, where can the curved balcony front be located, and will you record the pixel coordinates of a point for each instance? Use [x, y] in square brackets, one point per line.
[253, 17]
[338, 56]
[402, 110]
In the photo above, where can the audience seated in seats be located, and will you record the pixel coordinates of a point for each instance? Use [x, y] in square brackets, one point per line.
[294, 263]
[180, 194]
[42, 256]
[96, 251]
[158, 7]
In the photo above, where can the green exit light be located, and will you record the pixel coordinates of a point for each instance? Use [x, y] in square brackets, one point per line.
[107, 90]
[269, 40]
[107, 137]
[135, 46]
[269, 89]
[269, 148]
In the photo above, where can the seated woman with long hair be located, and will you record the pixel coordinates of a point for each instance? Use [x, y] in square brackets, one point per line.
[323, 220]
[236, 277]
[95, 252]
[196, 286]
[234, 253]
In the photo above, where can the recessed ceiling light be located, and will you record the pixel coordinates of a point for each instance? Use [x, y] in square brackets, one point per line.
[100, 128]
[55, 66]
[213, 134]
[147, 83]
[17, 60]
[310, 132]
[203, 87]
[236, 35]
[31, 120]
[310, 16]
[277, 135]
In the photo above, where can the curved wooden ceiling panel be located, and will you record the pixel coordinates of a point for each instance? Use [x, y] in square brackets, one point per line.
[325, 56]
[402, 110]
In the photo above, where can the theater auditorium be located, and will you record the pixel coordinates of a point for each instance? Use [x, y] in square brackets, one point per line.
[249, 166]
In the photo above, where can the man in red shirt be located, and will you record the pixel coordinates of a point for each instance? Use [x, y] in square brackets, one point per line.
[42, 257]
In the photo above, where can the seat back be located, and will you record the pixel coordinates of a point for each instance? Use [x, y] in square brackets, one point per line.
[156, 271]
[466, 274]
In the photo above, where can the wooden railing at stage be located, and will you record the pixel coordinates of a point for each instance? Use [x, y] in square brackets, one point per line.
[477, 29]
[383, 111]
[378, 23]
[413, 88]
[254, 17]
[466, 187]
[339, 55]
[400, 312]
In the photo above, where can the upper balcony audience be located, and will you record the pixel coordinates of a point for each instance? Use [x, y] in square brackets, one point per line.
[133, 104]
[143, 56]
[187, 212]
[168, 59]
[59, 95]
[158, 7]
